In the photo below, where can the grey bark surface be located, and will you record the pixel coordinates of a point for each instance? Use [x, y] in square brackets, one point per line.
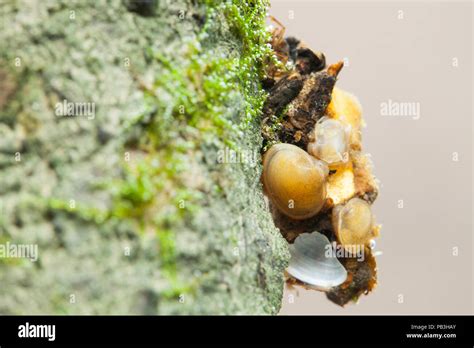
[230, 250]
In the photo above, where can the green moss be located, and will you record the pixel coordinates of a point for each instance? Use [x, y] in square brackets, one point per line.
[86, 213]
[247, 20]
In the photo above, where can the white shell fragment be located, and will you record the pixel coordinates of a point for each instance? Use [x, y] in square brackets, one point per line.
[313, 262]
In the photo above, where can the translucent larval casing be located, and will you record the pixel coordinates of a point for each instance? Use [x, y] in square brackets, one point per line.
[353, 223]
[330, 141]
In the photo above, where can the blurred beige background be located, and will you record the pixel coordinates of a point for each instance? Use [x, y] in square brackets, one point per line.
[417, 52]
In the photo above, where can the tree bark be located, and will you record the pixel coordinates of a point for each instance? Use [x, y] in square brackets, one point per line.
[97, 252]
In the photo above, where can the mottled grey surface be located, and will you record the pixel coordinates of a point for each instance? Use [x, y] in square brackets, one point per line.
[230, 248]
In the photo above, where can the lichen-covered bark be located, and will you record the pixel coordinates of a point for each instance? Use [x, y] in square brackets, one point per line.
[224, 256]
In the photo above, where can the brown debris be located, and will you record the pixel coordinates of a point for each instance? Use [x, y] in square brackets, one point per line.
[291, 228]
[282, 93]
[305, 98]
[334, 69]
[309, 106]
[362, 278]
[305, 60]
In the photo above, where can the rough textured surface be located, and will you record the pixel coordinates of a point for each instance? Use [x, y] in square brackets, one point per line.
[222, 256]
[299, 94]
